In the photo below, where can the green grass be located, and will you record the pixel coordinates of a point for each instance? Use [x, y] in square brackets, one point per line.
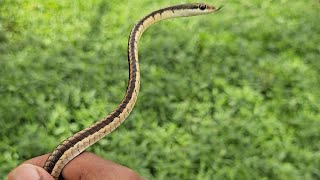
[232, 95]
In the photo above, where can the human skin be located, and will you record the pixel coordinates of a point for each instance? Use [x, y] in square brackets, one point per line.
[87, 166]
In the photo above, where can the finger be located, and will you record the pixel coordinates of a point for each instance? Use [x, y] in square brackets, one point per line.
[29, 172]
[89, 166]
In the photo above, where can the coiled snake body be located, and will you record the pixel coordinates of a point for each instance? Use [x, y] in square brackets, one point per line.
[74, 145]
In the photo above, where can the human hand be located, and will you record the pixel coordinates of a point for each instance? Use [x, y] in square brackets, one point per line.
[86, 166]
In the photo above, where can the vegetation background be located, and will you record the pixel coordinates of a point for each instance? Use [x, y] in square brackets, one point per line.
[231, 95]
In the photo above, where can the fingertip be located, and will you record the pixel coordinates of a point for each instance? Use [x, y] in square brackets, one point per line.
[29, 172]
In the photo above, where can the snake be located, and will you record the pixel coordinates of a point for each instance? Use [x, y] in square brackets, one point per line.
[77, 143]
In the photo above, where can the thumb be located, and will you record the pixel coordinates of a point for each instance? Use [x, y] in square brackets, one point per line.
[29, 172]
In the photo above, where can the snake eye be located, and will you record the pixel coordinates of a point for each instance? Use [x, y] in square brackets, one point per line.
[202, 7]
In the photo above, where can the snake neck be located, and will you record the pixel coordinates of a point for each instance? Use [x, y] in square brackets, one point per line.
[135, 35]
[147, 21]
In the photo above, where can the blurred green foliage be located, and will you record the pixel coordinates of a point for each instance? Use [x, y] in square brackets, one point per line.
[231, 95]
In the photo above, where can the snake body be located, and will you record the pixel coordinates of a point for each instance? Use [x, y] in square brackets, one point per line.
[74, 145]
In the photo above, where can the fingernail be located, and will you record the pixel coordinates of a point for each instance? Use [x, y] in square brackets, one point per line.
[26, 172]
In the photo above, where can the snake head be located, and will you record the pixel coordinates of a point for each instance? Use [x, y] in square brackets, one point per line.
[194, 9]
[207, 8]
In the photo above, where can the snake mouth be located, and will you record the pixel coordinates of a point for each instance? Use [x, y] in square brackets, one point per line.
[220, 7]
[214, 9]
